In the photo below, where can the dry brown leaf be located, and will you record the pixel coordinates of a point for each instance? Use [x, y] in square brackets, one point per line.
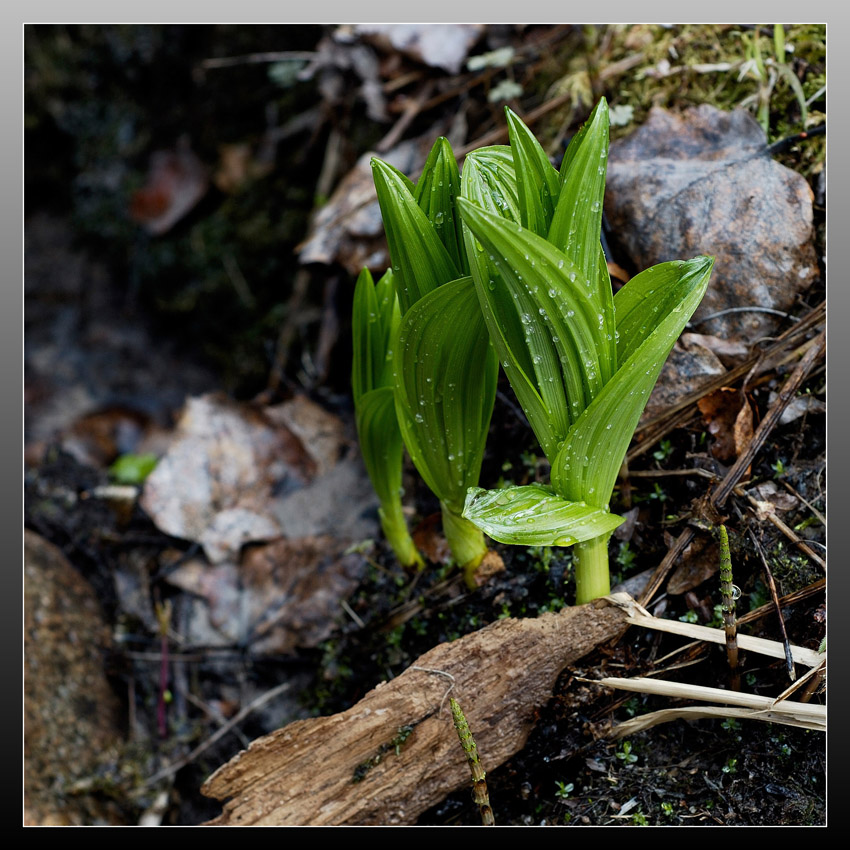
[781, 499]
[443, 46]
[348, 229]
[284, 595]
[176, 181]
[701, 183]
[729, 419]
[700, 561]
[292, 590]
[215, 484]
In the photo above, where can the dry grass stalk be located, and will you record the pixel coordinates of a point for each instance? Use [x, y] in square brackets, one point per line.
[639, 616]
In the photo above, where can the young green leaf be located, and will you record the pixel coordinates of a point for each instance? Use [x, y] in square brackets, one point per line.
[489, 181]
[445, 385]
[543, 323]
[651, 296]
[534, 515]
[380, 441]
[374, 323]
[436, 191]
[420, 260]
[587, 464]
[577, 222]
[538, 183]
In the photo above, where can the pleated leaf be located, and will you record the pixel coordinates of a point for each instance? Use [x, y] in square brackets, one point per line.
[374, 323]
[587, 464]
[445, 386]
[436, 191]
[543, 322]
[538, 182]
[577, 221]
[647, 299]
[534, 515]
[380, 442]
[420, 261]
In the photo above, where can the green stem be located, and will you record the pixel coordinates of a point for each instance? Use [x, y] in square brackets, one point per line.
[466, 542]
[592, 576]
[394, 524]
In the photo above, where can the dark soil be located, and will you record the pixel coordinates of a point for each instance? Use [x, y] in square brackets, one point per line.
[122, 323]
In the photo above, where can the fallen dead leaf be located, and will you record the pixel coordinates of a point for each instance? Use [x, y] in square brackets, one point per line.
[284, 595]
[782, 500]
[701, 183]
[732, 349]
[700, 561]
[799, 407]
[443, 46]
[729, 419]
[215, 483]
[348, 229]
[176, 181]
[321, 433]
[292, 590]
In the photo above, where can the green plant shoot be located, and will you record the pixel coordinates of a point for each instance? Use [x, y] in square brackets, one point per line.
[581, 360]
[444, 369]
[375, 321]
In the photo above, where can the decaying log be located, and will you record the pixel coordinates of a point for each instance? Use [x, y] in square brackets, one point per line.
[395, 753]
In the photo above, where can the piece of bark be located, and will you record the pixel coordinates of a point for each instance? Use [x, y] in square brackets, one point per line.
[395, 753]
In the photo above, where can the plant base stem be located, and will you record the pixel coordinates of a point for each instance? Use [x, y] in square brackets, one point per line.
[591, 564]
[395, 529]
[466, 542]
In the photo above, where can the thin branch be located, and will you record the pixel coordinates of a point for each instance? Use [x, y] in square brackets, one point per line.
[258, 703]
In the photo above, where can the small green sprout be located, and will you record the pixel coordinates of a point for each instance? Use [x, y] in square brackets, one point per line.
[665, 449]
[625, 557]
[564, 790]
[625, 753]
[132, 468]
[444, 370]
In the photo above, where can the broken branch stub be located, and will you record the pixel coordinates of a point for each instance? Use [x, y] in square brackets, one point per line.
[394, 754]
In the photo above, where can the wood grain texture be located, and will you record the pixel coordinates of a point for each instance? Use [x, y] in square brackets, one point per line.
[305, 772]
